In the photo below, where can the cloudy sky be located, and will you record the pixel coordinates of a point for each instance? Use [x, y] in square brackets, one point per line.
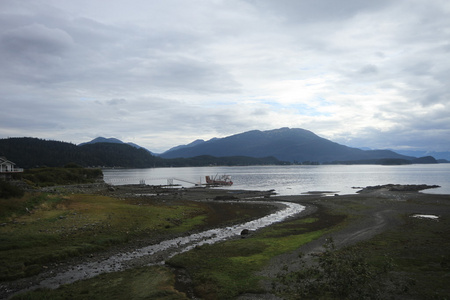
[162, 73]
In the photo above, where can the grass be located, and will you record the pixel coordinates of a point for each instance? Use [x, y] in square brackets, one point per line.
[219, 271]
[225, 270]
[40, 229]
[42, 177]
[138, 283]
[420, 252]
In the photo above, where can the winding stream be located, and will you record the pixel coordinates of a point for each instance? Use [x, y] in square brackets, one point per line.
[156, 254]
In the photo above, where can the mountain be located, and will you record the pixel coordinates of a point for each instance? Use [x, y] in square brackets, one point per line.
[285, 144]
[101, 139]
[194, 143]
[111, 141]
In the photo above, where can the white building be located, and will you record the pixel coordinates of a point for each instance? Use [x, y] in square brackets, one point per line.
[7, 167]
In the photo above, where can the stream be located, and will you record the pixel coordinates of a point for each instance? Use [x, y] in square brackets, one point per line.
[158, 253]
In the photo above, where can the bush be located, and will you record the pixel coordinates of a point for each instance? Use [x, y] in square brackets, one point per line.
[8, 190]
[72, 166]
[344, 274]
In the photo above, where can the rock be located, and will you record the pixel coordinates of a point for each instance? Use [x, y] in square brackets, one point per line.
[245, 232]
[226, 197]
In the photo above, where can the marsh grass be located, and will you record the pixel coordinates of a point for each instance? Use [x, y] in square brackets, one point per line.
[41, 229]
[225, 270]
[138, 283]
[411, 261]
[420, 253]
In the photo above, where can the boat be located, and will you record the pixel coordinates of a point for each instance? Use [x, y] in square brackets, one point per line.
[219, 180]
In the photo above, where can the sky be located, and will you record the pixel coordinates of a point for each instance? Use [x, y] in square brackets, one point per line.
[163, 73]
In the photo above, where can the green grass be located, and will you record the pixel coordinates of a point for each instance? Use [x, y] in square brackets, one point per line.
[225, 270]
[420, 250]
[58, 227]
[59, 176]
[139, 283]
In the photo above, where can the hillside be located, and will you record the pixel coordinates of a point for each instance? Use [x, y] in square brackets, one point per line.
[293, 145]
[33, 152]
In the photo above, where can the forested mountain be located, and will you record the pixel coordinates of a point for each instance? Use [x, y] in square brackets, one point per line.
[112, 141]
[33, 152]
[293, 145]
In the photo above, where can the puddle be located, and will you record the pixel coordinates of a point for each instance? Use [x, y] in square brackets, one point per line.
[434, 217]
[156, 254]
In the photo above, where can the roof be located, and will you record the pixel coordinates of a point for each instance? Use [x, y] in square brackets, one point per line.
[4, 161]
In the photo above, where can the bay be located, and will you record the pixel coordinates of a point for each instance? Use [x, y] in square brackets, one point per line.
[292, 180]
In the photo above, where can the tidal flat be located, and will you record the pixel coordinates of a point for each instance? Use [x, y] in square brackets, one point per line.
[45, 233]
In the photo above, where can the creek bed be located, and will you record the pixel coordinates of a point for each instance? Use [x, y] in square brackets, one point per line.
[158, 253]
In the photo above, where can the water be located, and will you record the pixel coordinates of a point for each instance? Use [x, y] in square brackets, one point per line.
[294, 180]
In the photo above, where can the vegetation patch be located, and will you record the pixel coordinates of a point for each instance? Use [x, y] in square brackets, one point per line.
[71, 174]
[8, 190]
[420, 253]
[342, 274]
[410, 262]
[139, 283]
[225, 270]
[40, 229]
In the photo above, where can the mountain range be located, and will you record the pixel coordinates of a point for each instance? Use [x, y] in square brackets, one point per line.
[285, 144]
[272, 147]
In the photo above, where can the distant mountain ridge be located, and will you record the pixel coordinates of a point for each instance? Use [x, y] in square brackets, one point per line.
[285, 144]
[194, 143]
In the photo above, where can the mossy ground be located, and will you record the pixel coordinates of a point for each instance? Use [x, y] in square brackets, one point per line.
[420, 254]
[139, 283]
[40, 229]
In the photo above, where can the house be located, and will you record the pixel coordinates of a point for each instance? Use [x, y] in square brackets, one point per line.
[7, 167]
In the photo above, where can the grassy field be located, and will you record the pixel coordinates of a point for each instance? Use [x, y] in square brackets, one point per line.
[139, 283]
[39, 229]
[420, 254]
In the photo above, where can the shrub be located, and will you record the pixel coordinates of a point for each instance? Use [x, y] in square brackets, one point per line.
[344, 274]
[8, 190]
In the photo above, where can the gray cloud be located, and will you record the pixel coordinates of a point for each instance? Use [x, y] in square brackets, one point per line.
[165, 73]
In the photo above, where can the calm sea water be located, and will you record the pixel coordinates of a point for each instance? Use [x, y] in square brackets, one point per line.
[293, 180]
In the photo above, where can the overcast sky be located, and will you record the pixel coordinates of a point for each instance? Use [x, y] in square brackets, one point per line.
[162, 73]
